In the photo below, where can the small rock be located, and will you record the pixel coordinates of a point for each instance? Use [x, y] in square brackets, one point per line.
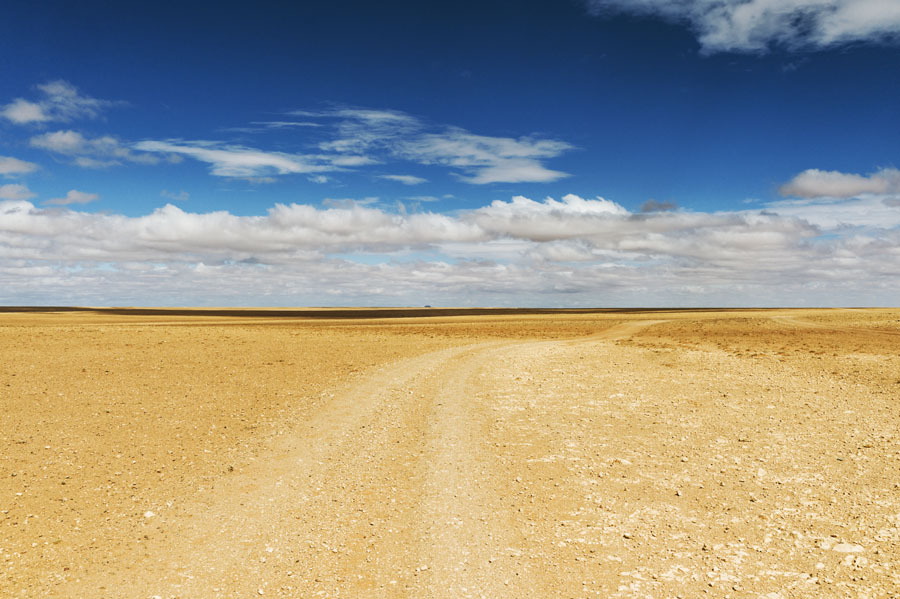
[848, 548]
[148, 514]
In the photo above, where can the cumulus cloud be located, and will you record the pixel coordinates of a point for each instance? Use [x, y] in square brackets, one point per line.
[834, 199]
[869, 211]
[405, 179]
[74, 197]
[758, 25]
[15, 191]
[58, 101]
[815, 183]
[516, 247]
[13, 167]
[514, 252]
[550, 219]
[343, 226]
[99, 152]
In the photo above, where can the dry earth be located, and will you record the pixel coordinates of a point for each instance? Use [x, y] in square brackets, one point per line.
[339, 454]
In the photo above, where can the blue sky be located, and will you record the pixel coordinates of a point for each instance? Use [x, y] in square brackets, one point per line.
[570, 153]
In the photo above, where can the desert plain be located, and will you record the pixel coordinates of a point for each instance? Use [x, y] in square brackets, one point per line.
[450, 453]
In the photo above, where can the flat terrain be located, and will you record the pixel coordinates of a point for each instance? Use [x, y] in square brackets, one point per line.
[444, 454]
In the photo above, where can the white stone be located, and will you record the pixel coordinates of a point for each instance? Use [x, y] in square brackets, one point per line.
[847, 548]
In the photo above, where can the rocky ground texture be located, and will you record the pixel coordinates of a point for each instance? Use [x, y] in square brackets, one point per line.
[652, 454]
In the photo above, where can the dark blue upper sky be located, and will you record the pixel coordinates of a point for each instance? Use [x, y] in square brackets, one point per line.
[649, 116]
[458, 104]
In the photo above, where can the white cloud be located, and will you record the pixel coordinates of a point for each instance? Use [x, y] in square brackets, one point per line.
[22, 111]
[405, 179]
[870, 211]
[486, 159]
[239, 161]
[59, 101]
[181, 196]
[285, 124]
[99, 152]
[74, 197]
[833, 200]
[757, 25]
[478, 159]
[13, 167]
[342, 226]
[570, 251]
[15, 191]
[363, 137]
[361, 130]
[815, 183]
[551, 219]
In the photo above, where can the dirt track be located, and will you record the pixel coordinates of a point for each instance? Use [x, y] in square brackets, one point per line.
[746, 454]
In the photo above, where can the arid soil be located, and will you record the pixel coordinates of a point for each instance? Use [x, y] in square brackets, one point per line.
[440, 455]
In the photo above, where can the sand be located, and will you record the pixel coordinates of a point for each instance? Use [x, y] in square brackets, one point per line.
[450, 454]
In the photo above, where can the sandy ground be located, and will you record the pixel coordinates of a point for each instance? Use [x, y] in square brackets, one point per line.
[611, 454]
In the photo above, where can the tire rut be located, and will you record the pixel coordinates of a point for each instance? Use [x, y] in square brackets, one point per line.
[389, 490]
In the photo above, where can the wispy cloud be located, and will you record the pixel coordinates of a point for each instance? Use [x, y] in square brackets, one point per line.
[238, 161]
[477, 159]
[181, 196]
[486, 159]
[74, 197]
[285, 124]
[405, 179]
[758, 25]
[58, 101]
[358, 137]
[13, 167]
[99, 152]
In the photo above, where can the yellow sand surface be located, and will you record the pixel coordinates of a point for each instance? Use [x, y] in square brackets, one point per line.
[449, 453]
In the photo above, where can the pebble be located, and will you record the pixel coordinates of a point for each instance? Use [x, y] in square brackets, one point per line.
[848, 548]
[148, 514]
